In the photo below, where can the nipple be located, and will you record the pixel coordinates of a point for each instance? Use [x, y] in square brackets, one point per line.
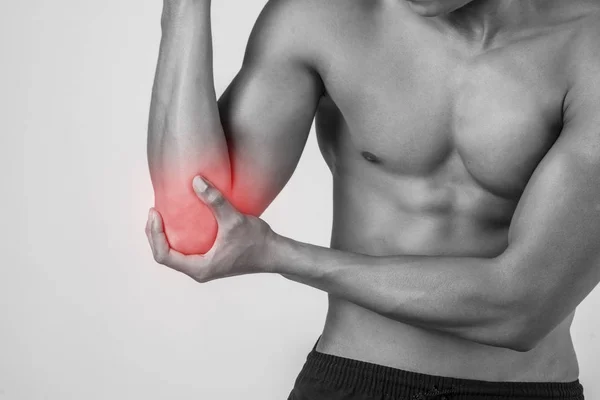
[370, 157]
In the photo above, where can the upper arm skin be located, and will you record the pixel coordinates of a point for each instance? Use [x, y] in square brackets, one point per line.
[553, 257]
[268, 108]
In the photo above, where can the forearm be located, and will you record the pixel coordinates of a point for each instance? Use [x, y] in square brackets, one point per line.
[465, 297]
[185, 137]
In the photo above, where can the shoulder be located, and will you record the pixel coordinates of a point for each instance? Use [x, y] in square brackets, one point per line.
[299, 21]
[305, 30]
[280, 24]
[584, 47]
[582, 101]
[285, 29]
[583, 58]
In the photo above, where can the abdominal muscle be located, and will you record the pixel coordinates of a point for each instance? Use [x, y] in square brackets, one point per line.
[373, 216]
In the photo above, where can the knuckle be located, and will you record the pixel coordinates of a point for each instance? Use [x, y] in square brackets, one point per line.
[229, 225]
[160, 258]
[203, 272]
[215, 198]
[200, 277]
[236, 220]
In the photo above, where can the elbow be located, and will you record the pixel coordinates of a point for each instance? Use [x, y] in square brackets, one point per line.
[513, 332]
[523, 317]
[527, 338]
[523, 341]
[525, 325]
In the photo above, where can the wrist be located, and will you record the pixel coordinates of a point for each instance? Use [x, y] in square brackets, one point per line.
[273, 254]
[290, 258]
[176, 11]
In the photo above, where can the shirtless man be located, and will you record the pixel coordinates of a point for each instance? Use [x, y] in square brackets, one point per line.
[464, 142]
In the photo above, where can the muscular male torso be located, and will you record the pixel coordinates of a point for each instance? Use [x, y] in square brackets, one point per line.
[431, 135]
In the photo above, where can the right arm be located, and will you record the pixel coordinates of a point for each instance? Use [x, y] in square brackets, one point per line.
[249, 142]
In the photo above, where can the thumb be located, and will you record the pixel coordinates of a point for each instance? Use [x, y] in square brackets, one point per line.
[214, 199]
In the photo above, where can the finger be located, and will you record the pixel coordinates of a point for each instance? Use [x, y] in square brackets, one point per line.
[158, 239]
[148, 229]
[164, 254]
[191, 265]
[215, 200]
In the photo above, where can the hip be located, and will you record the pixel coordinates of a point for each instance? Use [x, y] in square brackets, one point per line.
[354, 332]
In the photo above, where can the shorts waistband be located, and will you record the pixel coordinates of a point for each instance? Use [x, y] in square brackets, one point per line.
[388, 382]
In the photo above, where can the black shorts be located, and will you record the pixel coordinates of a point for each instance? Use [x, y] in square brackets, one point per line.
[328, 377]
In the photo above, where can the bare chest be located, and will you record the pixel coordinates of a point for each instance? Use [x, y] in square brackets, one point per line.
[428, 111]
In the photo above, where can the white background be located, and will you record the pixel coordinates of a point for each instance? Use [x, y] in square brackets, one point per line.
[85, 313]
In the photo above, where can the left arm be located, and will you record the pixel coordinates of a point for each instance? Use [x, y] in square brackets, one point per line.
[551, 264]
